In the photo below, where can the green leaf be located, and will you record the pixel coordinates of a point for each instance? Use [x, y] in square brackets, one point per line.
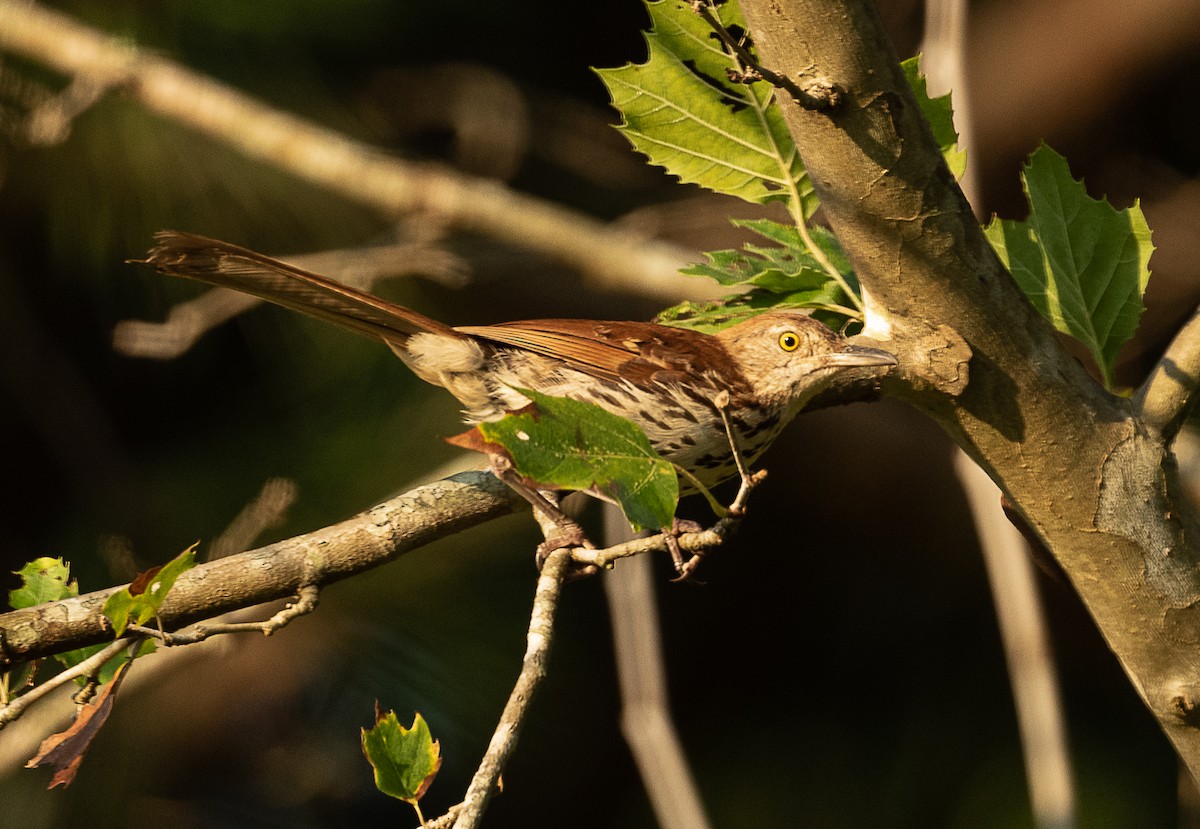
[683, 112]
[1082, 263]
[405, 759]
[940, 115]
[108, 670]
[560, 443]
[49, 580]
[782, 275]
[43, 580]
[140, 601]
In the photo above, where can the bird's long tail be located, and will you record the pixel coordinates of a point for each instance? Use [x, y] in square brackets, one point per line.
[229, 266]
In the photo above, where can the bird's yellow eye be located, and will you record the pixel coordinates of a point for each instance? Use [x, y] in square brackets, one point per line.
[789, 341]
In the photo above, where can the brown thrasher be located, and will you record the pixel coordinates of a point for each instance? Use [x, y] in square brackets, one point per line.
[667, 380]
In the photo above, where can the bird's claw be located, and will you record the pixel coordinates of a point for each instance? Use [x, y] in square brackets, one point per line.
[684, 568]
[566, 535]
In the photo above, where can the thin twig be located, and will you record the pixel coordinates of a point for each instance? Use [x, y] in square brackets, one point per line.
[87, 667]
[533, 671]
[305, 603]
[1167, 395]
[445, 821]
[694, 543]
[267, 509]
[276, 571]
[819, 94]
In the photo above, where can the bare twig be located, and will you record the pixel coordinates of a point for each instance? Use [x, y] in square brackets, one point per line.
[533, 671]
[276, 571]
[445, 821]
[818, 94]
[305, 603]
[694, 543]
[87, 667]
[1167, 395]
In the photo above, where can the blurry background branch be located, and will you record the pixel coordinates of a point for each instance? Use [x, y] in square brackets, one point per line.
[619, 257]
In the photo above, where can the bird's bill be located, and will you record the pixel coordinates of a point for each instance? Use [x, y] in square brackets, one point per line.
[860, 355]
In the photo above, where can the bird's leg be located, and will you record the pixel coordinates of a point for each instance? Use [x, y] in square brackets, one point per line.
[686, 567]
[683, 567]
[559, 528]
[721, 401]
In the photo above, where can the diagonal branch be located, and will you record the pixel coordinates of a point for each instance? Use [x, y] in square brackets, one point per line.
[620, 258]
[1168, 394]
[277, 571]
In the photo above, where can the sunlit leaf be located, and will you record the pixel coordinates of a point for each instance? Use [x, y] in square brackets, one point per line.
[43, 580]
[784, 274]
[405, 759]
[940, 114]
[559, 443]
[682, 111]
[140, 601]
[1083, 263]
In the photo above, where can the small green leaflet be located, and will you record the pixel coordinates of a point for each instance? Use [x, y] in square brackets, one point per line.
[781, 275]
[49, 580]
[43, 580]
[940, 115]
[140, 601]
[558, 443]
[1082, 263]
[683, 112]
[405, 759]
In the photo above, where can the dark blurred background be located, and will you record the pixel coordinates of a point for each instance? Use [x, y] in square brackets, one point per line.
[841, 667]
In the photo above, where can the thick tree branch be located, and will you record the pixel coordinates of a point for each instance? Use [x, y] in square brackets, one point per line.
[276, 571]
[1090, 478]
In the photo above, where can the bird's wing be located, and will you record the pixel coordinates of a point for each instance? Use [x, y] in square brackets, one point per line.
[230, 266]
[639, 352]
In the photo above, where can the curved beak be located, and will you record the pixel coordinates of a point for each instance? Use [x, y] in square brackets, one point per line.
[858, 355]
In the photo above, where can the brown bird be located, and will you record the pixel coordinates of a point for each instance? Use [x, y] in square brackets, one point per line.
[666, 380]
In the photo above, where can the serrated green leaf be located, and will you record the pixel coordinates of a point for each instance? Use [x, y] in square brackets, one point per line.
[1082, 263]
[405, 759]
[43, 580]
[783, 275]
[140, 601]
[940, 115]
[568, 444]
[683, 112]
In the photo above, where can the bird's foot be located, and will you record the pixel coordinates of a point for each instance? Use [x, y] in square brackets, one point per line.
[684, 567]
[565, 533]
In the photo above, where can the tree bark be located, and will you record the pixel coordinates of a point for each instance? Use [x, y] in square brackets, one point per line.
[277, 571]
[1094, 481]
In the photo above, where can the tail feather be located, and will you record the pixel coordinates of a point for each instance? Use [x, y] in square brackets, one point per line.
[229, 266]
